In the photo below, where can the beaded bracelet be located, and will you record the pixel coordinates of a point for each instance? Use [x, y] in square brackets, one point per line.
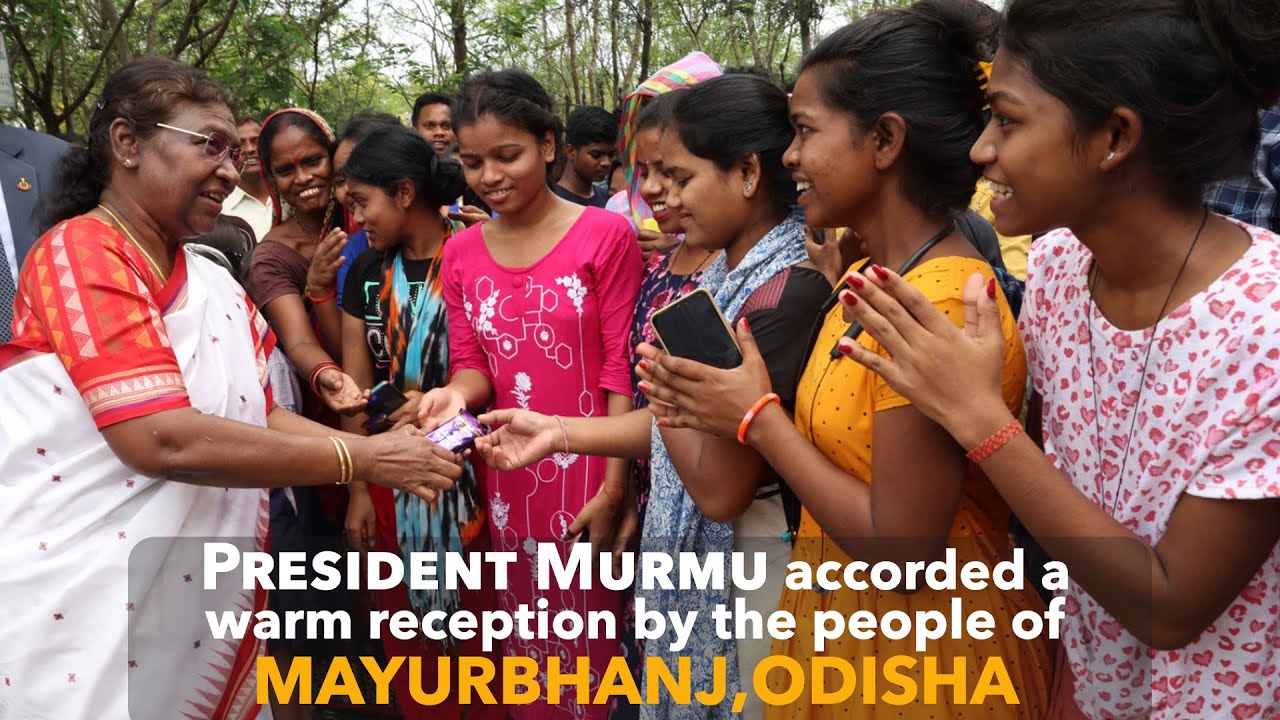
[987, 447]
[751, 414]
[315, 374]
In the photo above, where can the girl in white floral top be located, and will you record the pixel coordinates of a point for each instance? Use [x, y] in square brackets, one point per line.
[1152, 335]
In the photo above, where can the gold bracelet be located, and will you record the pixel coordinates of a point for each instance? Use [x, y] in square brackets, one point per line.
[346, 455]
[345, 471]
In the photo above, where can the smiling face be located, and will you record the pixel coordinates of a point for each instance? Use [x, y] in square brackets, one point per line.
[301, 170]
[383, 216]
[435, 125]
[181, 187]
[1029, 155]
[830, 159]
[654, 183]
[709, 203]
[247, 133]
[504, 164]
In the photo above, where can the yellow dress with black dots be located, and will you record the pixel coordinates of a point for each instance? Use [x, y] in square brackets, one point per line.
[836, 403]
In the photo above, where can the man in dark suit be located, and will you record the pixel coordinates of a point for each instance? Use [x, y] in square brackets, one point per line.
[28, 161]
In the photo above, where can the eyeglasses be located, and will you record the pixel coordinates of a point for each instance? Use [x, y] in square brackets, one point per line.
[217, 147]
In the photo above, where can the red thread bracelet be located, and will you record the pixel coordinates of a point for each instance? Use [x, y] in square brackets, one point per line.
[315, 374]
[751, 414]
[987, 447]
[333, 293]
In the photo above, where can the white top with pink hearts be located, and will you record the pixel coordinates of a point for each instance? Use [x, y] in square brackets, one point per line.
[1208, 424]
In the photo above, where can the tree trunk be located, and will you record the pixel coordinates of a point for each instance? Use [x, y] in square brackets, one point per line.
[593, 69]
[614, 9]
[646, 37]
[546, 47]
[119, 49]
[571, 40]
[806, 10]
[458, 18]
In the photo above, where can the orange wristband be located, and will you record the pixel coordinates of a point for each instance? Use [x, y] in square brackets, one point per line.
[333, 293]
[987, 447]
[751, 414]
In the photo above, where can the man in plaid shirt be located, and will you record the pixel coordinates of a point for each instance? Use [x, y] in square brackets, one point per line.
[1253, 198]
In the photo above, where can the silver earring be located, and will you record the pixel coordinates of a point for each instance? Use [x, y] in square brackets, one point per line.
[749, 185]
[128, 163]
[1111, 156]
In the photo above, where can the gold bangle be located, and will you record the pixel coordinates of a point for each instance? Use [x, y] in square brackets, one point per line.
[344, 460]
[346, 455]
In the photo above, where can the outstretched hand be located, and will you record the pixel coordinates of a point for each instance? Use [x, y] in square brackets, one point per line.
[952, 375]
[522, 438]
[438, 406]
[340, 392]
[688, 394]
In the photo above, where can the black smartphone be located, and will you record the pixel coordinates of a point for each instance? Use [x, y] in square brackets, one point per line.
[384, 399]
[693, 327]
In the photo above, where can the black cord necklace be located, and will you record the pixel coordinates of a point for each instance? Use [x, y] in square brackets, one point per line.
[1142, 378]
[855, 329]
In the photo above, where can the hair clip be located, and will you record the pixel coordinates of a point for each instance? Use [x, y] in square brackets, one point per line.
[984, 74]
[984, 79]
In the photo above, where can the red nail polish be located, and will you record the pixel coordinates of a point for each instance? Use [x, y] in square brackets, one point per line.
[848, 298]
[991, 288]
[746, 325]
[662, 422]
[854, 280]
[644, 386]
[844, 348]
[880, 272]
[644, 364]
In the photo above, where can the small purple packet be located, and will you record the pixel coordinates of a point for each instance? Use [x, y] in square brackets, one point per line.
[458, 433]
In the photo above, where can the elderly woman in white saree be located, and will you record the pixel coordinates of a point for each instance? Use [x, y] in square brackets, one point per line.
[138, 419]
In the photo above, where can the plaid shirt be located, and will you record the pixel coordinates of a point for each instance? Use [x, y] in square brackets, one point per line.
[1252, 198]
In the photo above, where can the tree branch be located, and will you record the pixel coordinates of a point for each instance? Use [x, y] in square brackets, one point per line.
[73, 106]
[184, 34]
[218, 32]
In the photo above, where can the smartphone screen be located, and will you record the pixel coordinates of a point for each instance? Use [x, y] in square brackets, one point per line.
[692, 327]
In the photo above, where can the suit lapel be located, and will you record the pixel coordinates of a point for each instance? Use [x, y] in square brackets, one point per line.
[19, 204]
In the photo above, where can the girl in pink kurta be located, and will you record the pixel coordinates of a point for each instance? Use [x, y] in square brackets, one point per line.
[539, 303]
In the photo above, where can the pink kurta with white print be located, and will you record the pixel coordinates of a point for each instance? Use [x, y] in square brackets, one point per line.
[1207, 424]
[553, 338]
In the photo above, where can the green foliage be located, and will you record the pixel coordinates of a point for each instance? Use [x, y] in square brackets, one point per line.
[340, 56]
